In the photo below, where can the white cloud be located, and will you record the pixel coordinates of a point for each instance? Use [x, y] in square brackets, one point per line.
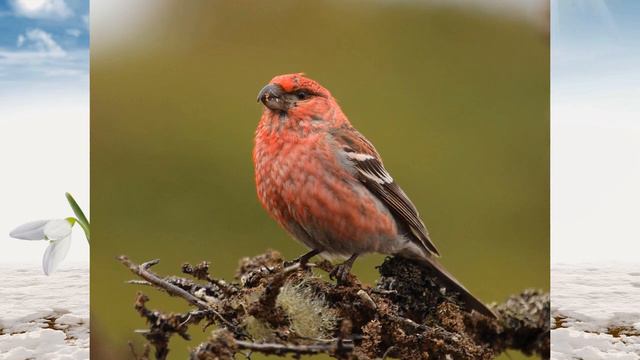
[63, 72]
[85, 20]
[21, 40]
[41, 9]
[73, 32]
[38, 56]
[40, 42]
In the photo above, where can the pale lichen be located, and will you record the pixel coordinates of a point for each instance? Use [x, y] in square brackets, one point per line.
[309, 314]
[257, 329]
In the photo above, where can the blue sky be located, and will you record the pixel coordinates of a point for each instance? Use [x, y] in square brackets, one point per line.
[43, 41]
[595, 130]
[595, 43]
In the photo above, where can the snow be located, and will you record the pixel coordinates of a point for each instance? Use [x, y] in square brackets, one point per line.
[595, 311]
[44, 317]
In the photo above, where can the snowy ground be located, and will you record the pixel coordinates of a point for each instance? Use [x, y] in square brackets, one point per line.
[44, 317]
[596, 312]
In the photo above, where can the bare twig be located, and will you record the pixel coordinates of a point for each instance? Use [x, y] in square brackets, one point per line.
[143, 271]
[283, 349]
[201, 272]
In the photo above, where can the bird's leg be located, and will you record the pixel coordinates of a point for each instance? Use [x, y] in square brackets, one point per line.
[302, 260]
[341, 271]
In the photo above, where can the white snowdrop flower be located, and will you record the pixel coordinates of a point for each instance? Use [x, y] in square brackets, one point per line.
[33, 230]
[56, 231]
[55, 253]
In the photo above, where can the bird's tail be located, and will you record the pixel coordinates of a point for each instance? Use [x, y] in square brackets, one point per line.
[451, 283]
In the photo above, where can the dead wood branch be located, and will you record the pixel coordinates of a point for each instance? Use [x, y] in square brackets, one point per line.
[293, 311]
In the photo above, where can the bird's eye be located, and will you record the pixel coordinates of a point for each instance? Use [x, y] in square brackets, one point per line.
[301, 95]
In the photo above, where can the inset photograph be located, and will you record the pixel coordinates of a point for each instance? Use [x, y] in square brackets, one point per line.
[326, 179]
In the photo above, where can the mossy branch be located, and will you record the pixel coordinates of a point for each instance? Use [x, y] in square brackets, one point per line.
[278, 310]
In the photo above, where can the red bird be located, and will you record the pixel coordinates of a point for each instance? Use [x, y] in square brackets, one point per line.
[325, 183]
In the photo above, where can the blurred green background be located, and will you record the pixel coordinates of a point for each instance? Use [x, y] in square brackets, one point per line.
[455, 100]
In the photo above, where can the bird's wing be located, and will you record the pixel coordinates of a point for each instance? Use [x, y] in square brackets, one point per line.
[371, 172]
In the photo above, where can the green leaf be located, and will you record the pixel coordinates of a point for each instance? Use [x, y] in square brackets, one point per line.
[82, 219]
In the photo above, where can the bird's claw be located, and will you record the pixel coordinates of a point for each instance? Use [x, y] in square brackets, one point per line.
[341, 274]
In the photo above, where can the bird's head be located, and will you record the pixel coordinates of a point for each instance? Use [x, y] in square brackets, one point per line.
[296, 95]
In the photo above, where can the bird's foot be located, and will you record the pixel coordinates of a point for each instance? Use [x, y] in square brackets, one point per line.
[302, 260]
[342, 272]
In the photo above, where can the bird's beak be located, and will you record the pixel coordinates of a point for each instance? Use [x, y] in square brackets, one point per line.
[272, 97]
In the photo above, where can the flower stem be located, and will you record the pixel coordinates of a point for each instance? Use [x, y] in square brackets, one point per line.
[82, 219]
